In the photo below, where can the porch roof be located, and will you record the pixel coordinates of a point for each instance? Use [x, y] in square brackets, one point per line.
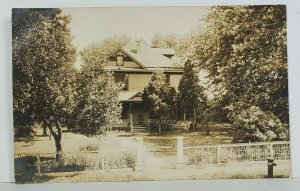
[128, 96]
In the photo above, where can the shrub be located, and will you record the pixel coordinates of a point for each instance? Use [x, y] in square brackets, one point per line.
[201, 156]
[90, 147]
[116, 160]
[255, 125]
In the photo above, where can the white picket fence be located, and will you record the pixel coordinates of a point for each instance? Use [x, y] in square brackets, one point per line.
[225, 153]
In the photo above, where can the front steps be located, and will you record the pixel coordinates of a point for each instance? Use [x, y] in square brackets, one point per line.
[140, 129]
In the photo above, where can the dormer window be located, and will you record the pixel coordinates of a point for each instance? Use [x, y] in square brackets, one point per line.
[120, 60]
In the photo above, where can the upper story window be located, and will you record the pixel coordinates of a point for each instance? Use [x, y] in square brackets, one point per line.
[122, 78]
[120, 61]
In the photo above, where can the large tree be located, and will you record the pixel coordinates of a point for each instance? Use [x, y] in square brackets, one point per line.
[22, 21]
[94, 54]
[179, 43]
[244, 49]
[43, 69]
[97, 106]
[192, 99]
[158, 96]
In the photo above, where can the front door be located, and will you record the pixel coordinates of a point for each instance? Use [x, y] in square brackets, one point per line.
[140, 120]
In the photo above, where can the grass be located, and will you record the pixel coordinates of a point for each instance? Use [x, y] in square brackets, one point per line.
[239, 170]
[243, 170]
[165, 142]
[118, 175]
[160, 151]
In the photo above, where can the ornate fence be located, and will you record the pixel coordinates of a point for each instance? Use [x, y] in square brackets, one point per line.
[236, 153]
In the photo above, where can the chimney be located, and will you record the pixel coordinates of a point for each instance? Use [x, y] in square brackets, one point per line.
[138, 46]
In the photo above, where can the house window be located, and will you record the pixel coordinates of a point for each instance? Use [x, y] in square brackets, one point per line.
[122, 78]
[120, 61]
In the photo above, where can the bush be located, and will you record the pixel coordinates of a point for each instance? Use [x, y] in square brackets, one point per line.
[201, 156]
[115, 160]
[89, 147]
[253, 124]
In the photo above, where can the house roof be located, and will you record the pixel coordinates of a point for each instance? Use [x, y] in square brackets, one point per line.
[151, 57]
[165, 51]
[126, 96]
[118, 69]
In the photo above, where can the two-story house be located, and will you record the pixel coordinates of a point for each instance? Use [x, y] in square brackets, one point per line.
[134, 65]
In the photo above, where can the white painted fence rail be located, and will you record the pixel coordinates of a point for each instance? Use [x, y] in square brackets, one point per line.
[225, 153]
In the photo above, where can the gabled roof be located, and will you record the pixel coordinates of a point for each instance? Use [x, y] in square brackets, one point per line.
[148, 57]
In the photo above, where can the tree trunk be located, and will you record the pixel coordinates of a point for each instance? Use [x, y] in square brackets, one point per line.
[45, 130]
[58, 147]
[57, 139]
[159, 123]
[207, 130]
[195, 119]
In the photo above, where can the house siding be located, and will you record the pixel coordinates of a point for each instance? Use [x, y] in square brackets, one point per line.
[174, 80]
[137, 82]
[127, 64]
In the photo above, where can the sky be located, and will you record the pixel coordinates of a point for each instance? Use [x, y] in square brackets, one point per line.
[93, 24]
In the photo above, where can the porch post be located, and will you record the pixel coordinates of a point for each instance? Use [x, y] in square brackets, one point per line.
[130, 120]
[139, 166]
[131, 125]
[180, 158]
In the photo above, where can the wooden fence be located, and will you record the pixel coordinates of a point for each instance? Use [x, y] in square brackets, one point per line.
[78, 161]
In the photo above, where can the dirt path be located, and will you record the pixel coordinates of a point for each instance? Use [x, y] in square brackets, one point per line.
[155, 160]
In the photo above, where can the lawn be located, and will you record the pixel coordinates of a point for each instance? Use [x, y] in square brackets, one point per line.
[239, 170]
[165, 142]
[160, 157]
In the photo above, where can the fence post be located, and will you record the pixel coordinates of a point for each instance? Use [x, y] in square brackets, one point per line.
[131, 123]
[139, 166]
[219, 154]
[180, 158]
[271, 151]
[38, 165]
[102, 159]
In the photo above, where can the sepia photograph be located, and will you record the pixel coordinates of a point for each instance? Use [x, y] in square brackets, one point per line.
[150, 93]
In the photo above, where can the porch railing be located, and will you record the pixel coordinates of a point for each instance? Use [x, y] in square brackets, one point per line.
[154, 122]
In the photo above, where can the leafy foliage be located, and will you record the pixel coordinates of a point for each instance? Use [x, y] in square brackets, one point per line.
[255, 125]
[179, 43]
[191, 93]
[158, 95]
[164, 41]
[43, 70]
[97, 106]
[244, 50]
[95, 53]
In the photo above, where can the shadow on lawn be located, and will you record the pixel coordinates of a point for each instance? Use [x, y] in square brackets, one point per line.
[25, 171]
